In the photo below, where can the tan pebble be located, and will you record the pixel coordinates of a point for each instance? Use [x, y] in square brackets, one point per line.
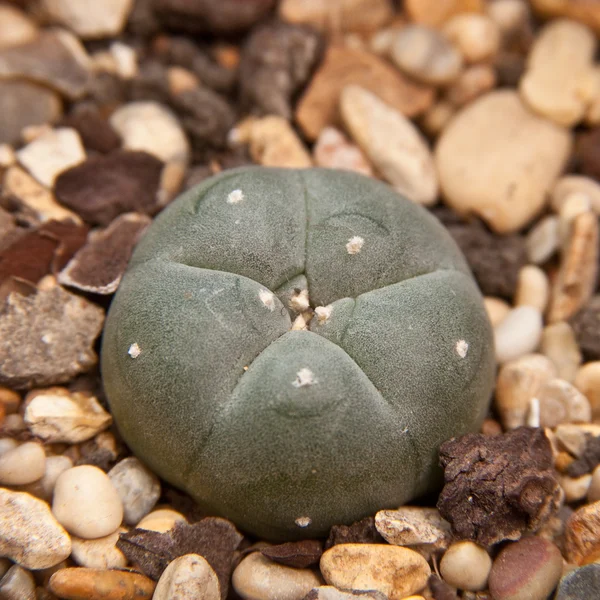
[559, 82]
[496, 309]
[571, 184]
[7, 444]
[396, 572]
[519, 333]
[15, 27]
[172, 177]
[575, 488]
[476, 36]
[426, 55]
[587, 381]
[57, 415]
[511, 16]
[86, 503]
[473, 82]
[498, 129]
[561, 402]
[333, 17]
[518, 382]
[181, 80]
[76, 583]
[319, 106]
[576, 279]
[381, 41]
[542, 240]
[10, 399]
[594, 489]
[101, 553]
[24, 464]
[187, 577]
[574, 437]
[258, 578]
[466, 566]
[592, 115]
[491, 427]
[404, 159]
[44, 488]
[7, 156]
[51, 153]
[533, 288]
[161, 520]
[434, 12]
[526, 570]
[582, 535]
[103, 62]
[575, 204]
[240, 134]
[560, 346]
[333, 150]
[17, 584]
[562, 461]
[13, 424]
[29, 533]
[437, 117]
[273, 143]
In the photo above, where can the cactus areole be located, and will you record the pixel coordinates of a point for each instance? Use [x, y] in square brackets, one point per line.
[291, 347]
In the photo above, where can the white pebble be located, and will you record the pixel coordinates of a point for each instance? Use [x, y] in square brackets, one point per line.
[186, 577]
[55, 465]
[542, 242]
[518, 333]
[466, 566]
[533, 288]
[86, 503]
[137, 486]
[22, 465]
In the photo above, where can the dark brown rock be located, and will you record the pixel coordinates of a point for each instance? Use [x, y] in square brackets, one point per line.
[361, 532]
[150, 83]
[498, 487]
[224, 16]
[587, 329]
[275, 63]
[103, 187]
[588, 460]
[299, 555]
[96, 132]
[100, 264]
[47, 338]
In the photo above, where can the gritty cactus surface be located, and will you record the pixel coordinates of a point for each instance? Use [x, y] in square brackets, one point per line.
[291, 347]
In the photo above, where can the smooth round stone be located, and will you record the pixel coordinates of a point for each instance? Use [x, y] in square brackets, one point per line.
[519, 333]
[466, 566]
[533, 288]
[258, 578]
[29, 533]
[86, 503]
[137, 486]
[526, 570]
[24, 464]
[561, 402]
[587, 381]
[395, 571]
[542, 240]
[7, 444]
[426, 55]
[101, 553]
[188, 576]
[15, 27]
[580, 584]
[498, 160]
[476, 36]
[161, 520]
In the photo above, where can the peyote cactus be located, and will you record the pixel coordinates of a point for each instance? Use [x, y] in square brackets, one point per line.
[287, 428]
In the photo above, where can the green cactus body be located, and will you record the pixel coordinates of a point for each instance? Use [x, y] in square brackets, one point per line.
[287, 432]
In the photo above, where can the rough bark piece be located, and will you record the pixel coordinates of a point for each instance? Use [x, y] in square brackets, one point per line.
[361, 532]
[47, 338]
[299, 555]
[318, 107]
[498, 487]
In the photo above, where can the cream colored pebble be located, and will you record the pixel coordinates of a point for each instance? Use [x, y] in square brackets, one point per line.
[510, 16]
[574, 437]
[22, 465]
[496, 309]
[560, 346]
[570, 184]
[593, 494]
[519, 333]
[575, 488]
[161, 520]
[561, 402]
[7, 444]
[575, 204]
[466, 566]
[533, 288]
[542, 242]
[477, 37]
[587, 381]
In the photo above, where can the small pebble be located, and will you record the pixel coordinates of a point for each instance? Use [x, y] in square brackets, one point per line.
[52, 153]
[161, 520]
[575, 437]
[542, 240]
[473, 82]
[519, 333]
[477, 37]
[575, 488]
[86, 503]
[29, 533]
[561, 402]
[526, 570]
[466, 566]
[580, 584]
[15, 27]
[187, 577]
[572, 184]
[435, 13]
[101, 553]
[587, 381]
[593, 494]
[437, 117]
[137, 486]
[582, 535]
[10, 399]
[426, 55]
[17, 584]
[560, 346]
[258, 578]
[44, 487]
[7, 444]
[395, 571]
[496, 309]
[533, 288]
[274, 143]
[77, 583]
[24, 464]
[334, 151]
[575, 204]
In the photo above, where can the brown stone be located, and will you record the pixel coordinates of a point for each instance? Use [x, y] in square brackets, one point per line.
[76, 583]
[341, 67]
[436, 12]
[582, 535]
